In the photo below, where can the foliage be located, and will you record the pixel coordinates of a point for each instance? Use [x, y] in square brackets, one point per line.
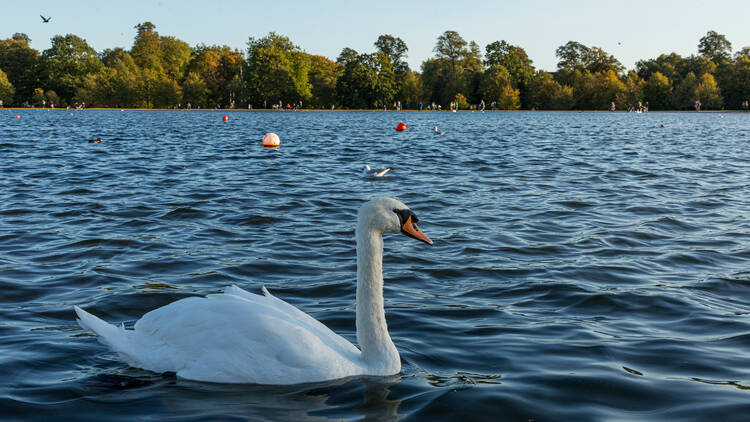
[496, 86]
[514, 59]
[322, 76]
[277, 70]
[716, 47]
[547, 94]
[163, 71]
[366, 81]
[6, 88]
[461, 102]
[708, 92]
[576, 56]
[658, 92]
[21, 65]
[67, 62]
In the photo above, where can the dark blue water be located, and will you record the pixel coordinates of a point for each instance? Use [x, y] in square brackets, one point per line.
[585, 267]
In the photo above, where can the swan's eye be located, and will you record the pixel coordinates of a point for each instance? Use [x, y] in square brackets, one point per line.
[403, 216]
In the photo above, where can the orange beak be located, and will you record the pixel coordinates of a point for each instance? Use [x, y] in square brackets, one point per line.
[411, 230]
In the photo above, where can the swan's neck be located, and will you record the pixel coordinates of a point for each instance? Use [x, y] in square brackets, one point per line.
[378, 351]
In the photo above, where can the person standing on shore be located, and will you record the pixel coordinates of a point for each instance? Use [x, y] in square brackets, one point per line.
[612, 107]
[697, 106]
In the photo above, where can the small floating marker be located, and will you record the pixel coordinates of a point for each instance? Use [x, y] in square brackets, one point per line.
[271, 139]
[225, 118]
[401, 126]
[17, 116]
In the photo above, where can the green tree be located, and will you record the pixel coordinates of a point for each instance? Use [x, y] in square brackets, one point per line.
[658, 92]
[576, 56]
[456, 69]
[450, 45]
[366, 81]
[276, 70]
[395, 48]
[496, 86]
[194, 90]
[117, 85]
[21, 65]
[670, 65]
[38, 99]
[716, 47]
[146, 49]
[547, 94]
[608, 87]
[461, 102]
[735, 86]
[684, 93]
[167, 93]
[53, 100]
[6, 88]
[514, 59]
[175, 55]
[411, 90]
[67, 62]
[633, 92]
[323, 74]
[708, 92]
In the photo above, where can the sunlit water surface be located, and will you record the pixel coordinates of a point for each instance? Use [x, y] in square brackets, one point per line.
[586, 266]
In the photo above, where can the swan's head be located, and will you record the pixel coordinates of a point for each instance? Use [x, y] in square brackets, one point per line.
[389, 215]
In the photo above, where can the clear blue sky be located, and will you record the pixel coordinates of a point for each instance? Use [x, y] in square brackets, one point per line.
[645, 29]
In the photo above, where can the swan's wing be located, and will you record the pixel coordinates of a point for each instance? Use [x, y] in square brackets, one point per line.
[382, 172]
[240, 337]
[295, 314]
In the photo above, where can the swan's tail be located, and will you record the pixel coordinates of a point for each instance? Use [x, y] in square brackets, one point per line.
[111, 335]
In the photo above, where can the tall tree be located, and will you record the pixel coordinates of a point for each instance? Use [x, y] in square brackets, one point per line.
[366, 80]
[708, 92]
[67, 62]
[658, 92]
[496, 86]
[21, 65]
[515, 60]
[175, 55]
[277, 70]
[323, 74]
[146, 49]
[716, 47]
[576, 56]
[547, 94]
[395, 48]
[6, 88]
[450, 45]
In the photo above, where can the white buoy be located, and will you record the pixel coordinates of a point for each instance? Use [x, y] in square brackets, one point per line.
[271, 139]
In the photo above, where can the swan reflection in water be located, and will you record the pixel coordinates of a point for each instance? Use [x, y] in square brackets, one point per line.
[331, 400]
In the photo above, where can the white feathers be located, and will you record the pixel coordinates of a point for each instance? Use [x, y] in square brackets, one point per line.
[370, 172]
[240, 337]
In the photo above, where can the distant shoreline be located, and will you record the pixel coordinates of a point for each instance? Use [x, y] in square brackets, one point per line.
[373, 110]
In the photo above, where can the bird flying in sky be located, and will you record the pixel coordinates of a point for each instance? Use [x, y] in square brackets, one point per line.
[45, 20]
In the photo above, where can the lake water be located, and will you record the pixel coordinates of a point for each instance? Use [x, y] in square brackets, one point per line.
[586, 266]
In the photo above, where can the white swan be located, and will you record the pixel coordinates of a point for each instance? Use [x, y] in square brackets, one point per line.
[241, 337]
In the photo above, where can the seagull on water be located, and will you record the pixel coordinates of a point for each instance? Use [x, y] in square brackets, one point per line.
[45, 20]
[370, 172]
[437, 131]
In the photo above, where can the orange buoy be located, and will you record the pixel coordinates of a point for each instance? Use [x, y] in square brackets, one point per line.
[401, 126]
[225, 118]
[271, 139]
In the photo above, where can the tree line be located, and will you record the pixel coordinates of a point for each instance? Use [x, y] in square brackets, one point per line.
[162, 72]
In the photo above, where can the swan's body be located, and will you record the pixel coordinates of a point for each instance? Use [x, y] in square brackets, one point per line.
[371, 172]
[242, 337]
